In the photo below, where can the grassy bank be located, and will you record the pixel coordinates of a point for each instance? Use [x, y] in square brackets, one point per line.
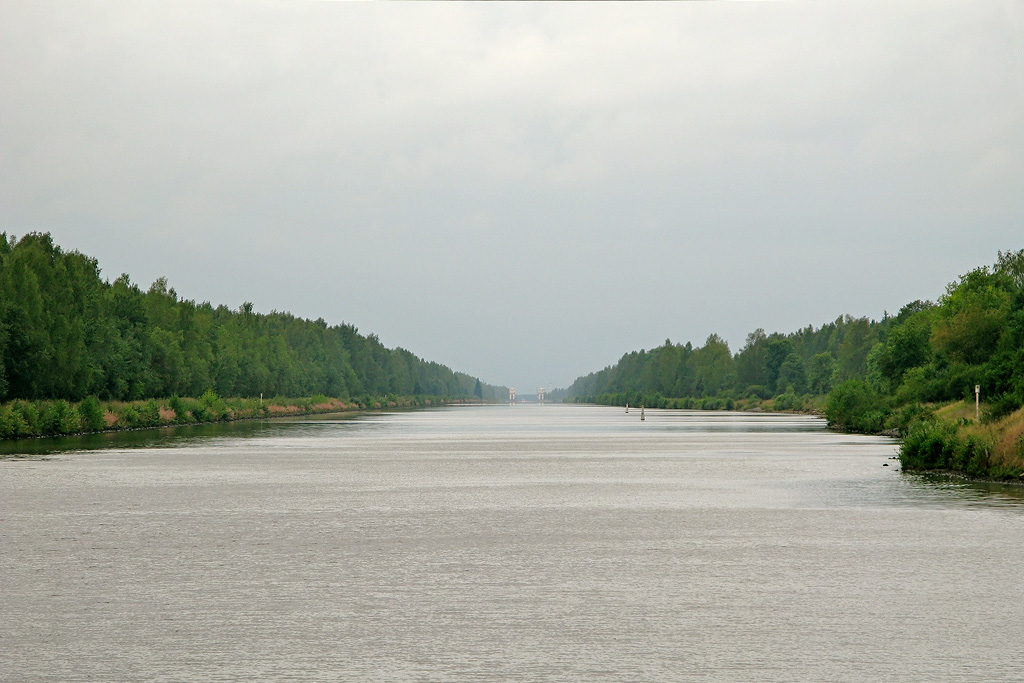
[27, 419]
[950, 439]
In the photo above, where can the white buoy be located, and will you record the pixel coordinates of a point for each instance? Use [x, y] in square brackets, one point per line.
[627, 407]
[642, 418]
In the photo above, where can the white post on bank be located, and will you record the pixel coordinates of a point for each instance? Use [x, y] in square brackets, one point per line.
[977, 402]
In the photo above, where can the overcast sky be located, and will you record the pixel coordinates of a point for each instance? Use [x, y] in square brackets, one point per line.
[523, 192]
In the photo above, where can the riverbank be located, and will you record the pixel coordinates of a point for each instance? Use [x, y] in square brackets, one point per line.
[783, 403]
[951, 439]
[28, 419]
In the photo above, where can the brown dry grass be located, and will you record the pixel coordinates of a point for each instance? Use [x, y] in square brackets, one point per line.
[1009, 440]
[1006, 436]
[282, 410]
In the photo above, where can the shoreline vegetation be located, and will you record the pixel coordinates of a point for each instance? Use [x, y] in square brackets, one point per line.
[942, 439]
[915, 376]
[81, 354]
[22, 419]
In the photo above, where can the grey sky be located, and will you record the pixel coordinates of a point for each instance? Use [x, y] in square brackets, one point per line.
[522, 191]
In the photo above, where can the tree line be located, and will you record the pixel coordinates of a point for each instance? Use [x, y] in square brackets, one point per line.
[67, 334]
[809, 361]
[876, 374]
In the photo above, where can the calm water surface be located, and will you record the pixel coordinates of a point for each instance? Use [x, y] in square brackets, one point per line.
[525, 543]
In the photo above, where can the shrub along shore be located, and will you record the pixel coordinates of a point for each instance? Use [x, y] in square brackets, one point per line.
[914, 375]
[950, 439]
[27, 419]
[947, 438]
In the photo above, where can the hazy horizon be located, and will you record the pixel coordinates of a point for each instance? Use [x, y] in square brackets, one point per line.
[522, 192]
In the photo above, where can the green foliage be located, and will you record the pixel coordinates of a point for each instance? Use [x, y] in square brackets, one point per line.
[758, 391]
[129, 417]
[211, 407]
[66, 334]
[91, 414]
[27, 414]
[777, 350]
[768, 365]
[13, 424]
[858, 339]
[792, 376]
[819, 373]
[713, 367]
[972, 317]
[180, 410]
[58, 417]
[878, 375]
[855, 406]
[907, 345]
[1002, 405]
[908, 415]
[938, 445]
[149, 414]
[788, 401]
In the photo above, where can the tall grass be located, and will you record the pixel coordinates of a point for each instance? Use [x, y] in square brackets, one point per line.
[990, 450]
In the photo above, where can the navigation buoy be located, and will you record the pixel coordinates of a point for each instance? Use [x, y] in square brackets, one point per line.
[642, 418]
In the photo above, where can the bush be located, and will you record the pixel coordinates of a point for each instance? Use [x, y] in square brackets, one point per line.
[937, 445]
[27, 415]
[58, 417]
[216, 409]
[917, 385]
[149, 413]
[180, 411]
[129, 417]
[909, 414]
[91, 414]
[759, 391]
[1001, 406]
[12, 423]
[788, 401]
[855, 406]
[201, 413]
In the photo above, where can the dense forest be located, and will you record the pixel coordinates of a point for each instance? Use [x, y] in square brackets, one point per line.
[810, 361]
[67, 334]
[866, 375]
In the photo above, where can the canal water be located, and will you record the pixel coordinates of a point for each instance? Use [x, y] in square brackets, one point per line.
[503, 543]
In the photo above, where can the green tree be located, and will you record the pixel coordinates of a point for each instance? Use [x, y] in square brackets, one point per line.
[777, 350]
[819, 372]
[908, 345]
[858, 338]
[972, 316]
[792, 374]
[751, 361]
[714, 366]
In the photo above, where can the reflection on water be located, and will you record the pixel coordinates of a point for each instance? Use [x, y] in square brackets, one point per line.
[978, 492]
[525, 543]
[176, 436]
